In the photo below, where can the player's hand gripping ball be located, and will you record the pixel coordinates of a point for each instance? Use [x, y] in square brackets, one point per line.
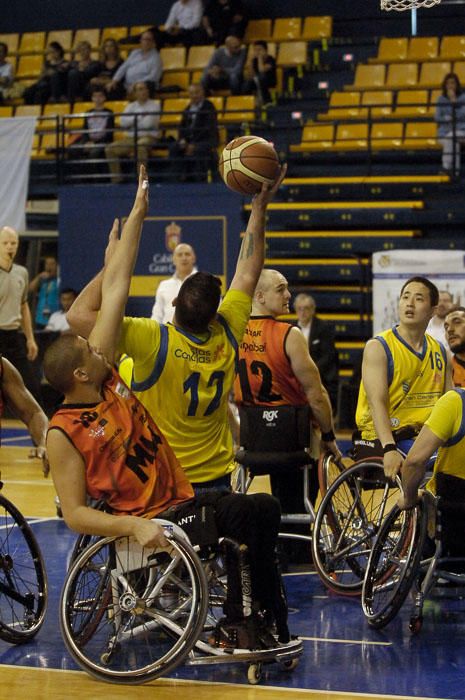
[247, 162]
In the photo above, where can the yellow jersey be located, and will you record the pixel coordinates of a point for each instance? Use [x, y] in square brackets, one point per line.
[185, 380]
[416, 380]
[447, 422]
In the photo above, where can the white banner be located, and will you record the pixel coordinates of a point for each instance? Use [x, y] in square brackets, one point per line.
[446, 268]
[16, 136]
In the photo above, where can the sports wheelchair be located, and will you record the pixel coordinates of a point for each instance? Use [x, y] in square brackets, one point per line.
[23, 579]
[130, 614]
[411, 554]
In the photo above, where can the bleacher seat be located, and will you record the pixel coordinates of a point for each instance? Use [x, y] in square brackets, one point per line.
[6, 111]
[369, 77]
[173, 57]
[29, 66]
[258, 29]
[32, 42]
[239, 108]
[199, 56]
[420, 135]
[378, 102]
[287, 29]
[391, 50]
[116, 33]
[181, 79]
[11, 40]
[386, 135]
[292, 54]
[317, 28]
[433, 73]
[422, 48]
[411, 103]
[315, 137]
[90, 35]
[172, 111]
[452, 48]
[63, 36]
[402, 75]
[28, 110]
[351, 137]
[344, 105]
[459, 70]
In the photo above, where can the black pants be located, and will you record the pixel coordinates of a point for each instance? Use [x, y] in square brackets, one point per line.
[13, 347]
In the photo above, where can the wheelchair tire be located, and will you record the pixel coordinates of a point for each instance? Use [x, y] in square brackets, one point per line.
[23, 579]
[130, 614]
[393, 564]
[328, 471]
[347, 522]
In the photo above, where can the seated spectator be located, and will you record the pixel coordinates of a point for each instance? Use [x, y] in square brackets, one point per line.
[182, 25]
[142, 65]
[320, 339]
[57, 322]
[99, 125]
[222, 18]
[260, 73]
[46, 285]
[110, 61]
[224, 70]
[143, 129]
[51, 85]
[6, 72]
[81, 71]
[450, 117]
[195, 148]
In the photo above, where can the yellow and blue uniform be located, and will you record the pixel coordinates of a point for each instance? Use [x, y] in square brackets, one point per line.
[184, 381]
[416, 380]
[447, 422]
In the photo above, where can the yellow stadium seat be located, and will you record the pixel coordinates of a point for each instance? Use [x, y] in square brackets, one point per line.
[315, 137]
[6, 111]
[49, 143]
[351, 137]
[432, 74]
[114, 33]
[172, 110]
[378, 102]
[78, 122]
[258, 29]
[63, 36]
[459, 70]
[423, 48]
[287, 29]
[29, 66]
[391, 50]
[292, 53]
[90, 35]
[369, 77]
[11, 40]
[317, 28]
[59, 108]
[411, 103]
[199, 56]
[452, 48]
[344, 105]
[173, 57]
[239, 108]
[218, 102]
[28, 111]
[181, 79]
[35, 146]
[32, 42]
[420, 135]
[402, 75]
[139, 29]
[386, 135]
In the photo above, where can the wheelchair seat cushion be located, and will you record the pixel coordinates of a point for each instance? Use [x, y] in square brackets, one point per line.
[274, 428]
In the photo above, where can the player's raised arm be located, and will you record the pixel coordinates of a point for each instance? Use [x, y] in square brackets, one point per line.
[117, 275]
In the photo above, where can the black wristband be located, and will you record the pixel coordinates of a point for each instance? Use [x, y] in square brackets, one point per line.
[329, 436]
[390, 447]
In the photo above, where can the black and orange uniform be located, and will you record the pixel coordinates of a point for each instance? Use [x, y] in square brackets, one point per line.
[128, 462]
[458, 371]
[265, 374]
[2, 400]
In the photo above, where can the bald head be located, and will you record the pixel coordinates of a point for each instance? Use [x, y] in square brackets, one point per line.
[183, 260]
[272, 295]
[9, 241]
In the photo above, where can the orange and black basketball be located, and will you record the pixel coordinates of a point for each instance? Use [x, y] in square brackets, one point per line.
[247, 162]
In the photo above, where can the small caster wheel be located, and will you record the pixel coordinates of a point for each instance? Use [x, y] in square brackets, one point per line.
[254, 673]
[415, 624]
[290, 664]
[105, 658]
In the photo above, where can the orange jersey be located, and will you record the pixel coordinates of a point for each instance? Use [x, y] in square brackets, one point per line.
[265, 374]
[128, 462]
[458, 371]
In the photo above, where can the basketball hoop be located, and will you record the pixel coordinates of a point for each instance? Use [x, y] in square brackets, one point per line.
[402, 5]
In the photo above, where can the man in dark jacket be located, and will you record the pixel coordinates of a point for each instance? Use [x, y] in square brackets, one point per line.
[194, 151]
[320, 339]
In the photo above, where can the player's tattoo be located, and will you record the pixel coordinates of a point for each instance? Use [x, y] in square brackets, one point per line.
[247, 247]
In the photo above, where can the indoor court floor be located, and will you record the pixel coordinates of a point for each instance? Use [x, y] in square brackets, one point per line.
[343, 657]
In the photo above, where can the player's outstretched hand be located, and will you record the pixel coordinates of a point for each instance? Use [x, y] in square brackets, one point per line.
[142, 195]
[266, 194]
[113, 238]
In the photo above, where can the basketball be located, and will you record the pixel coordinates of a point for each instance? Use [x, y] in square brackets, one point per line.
[247, 162]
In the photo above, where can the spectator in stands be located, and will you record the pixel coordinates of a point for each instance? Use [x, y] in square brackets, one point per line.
[436, 325]
[182, 25]
[450, 116]
[17, 341]
[110, 61]
[260, 73]
[184, 266]
[224, 70]
[194, 150]
[51, 85]
[320, 339]
[142, 129]
[6, 72]
[57, 322]
[99, 124]
[454, 326]
[142, 65]
[222, 18]
[45, 286]
[81, 71]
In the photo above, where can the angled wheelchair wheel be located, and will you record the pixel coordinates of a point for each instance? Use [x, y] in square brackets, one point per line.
[393, 565]
[347, 522]
[23, 580]
[328, 471]
[130, 614]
